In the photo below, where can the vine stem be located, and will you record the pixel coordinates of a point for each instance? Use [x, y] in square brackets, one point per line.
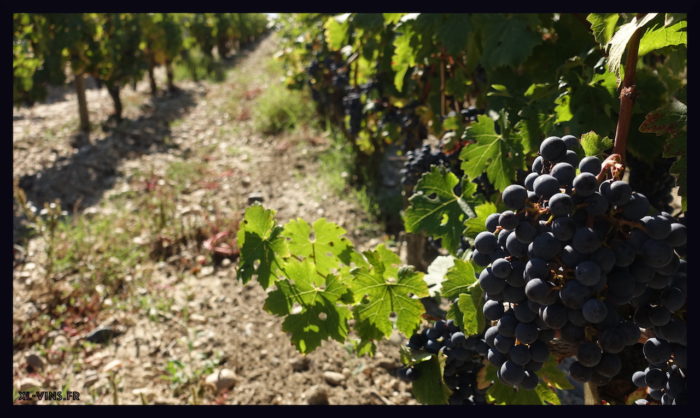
[627, 93]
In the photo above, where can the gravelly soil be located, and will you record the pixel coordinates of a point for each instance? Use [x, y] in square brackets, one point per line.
[224, 325]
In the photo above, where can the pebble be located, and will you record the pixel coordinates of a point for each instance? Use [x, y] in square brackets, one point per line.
[112, 365]
[55, 356]
[255, 197]
[91, 377]
[29, 383]
[222, 380]
[316, 395]
[300, 364]
[333, 378]
[198, 318]
[35, 362]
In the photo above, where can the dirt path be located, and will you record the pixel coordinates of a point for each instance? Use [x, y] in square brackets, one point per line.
[208, 321]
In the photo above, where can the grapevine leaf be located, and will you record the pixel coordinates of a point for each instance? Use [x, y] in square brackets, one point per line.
[563, 108]
[501, 394]
[305, 285]
[458, 279]
[553, 375]
[337, 31]
[409, 357]
[547, 395]
[492, 153]
[456, 315]
[603, 26]
[387, 291]
[390, 18]
[324, 242]
[436, 273]
[404, 54]
[469, 311]
[477, 295]
[669, 119]
[663, 37]
[671, 18]
[453, 32]
[478, 223]
[507, 41]
[594, 144]
[429, 389]
[618, 43]
[316, 324]
[260, 241]
[436, 210]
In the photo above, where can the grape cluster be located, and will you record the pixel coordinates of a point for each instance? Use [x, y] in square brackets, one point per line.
[419, 161]
[661, 309]
[352, 103]
[464, 360]
[577, 258]
[470, 113]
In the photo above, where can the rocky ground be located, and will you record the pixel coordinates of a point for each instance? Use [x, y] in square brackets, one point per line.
[180, 335]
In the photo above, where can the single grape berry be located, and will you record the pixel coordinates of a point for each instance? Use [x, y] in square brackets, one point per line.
[553, 149]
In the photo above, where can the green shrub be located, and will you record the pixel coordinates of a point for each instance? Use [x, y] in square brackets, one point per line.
[279, 109]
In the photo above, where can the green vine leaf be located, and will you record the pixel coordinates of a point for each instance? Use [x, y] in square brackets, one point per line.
[554, 376]
[436, 210]
[261, 243]
[499, 156]
[603, 26]
[618, 43]
[458, 279]
[671, 120]
[436, 273]
[470, 308]
[594, 144]
[478, 223]
[325, 243]
[404, 54]
[337, 30]
[664, 36]
[304, 285]
[507, 41]
[547, 395]
[386, 291]
[429, 389]
[317, 323]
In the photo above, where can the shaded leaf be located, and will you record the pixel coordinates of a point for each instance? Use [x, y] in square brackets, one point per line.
[429, 389]
[436, 210]
[261, 243]
[492, 153]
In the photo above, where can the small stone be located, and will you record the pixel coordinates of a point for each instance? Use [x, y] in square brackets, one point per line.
[29, 383]
[112, 366]
[245, 181]
[255, 197]
[146, 393]
[91, 377]
[225, 262]
[316, 395]
[300, 364]
[35, 362]
[198, 318]
[224, 379]
[55, 356]
[333, 378]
